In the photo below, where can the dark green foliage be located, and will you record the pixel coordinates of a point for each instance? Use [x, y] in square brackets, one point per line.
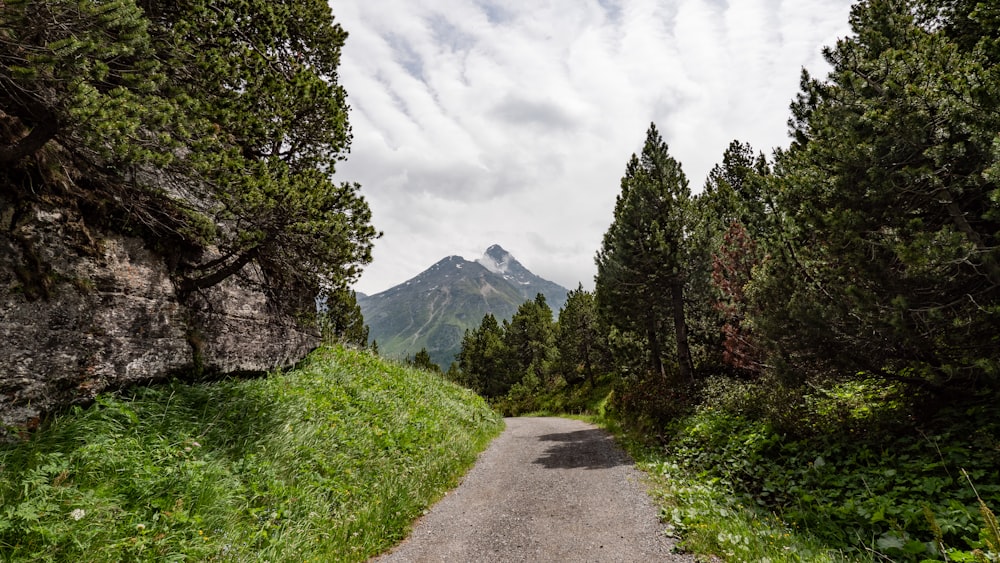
[265, 73]
[858, 476]
[481, 359]
[422, 360]
[495, 358]
[581, 341]
[737, 191]
[532, 364]
[529, 341]
[892, 206]
[84, 73]
[341, 320]
[196, 124]
[641, 266]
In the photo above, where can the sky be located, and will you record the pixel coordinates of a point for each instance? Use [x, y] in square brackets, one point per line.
[510, 122]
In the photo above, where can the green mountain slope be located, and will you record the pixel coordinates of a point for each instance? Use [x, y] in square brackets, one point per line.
[433, 309]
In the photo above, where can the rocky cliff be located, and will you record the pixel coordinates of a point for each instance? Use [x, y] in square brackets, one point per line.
[83, 311]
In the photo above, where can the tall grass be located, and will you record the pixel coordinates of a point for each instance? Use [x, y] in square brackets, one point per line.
[329, 462]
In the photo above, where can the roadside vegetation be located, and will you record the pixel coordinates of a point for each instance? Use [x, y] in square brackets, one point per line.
[848, 473]
[331, 461]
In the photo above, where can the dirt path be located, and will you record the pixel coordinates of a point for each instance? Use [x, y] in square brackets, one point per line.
[548, 489]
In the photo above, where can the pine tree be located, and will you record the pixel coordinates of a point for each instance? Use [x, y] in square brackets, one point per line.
[581, 341]
[481, 359]
[341, 319]
[641, 267]
[723, 253]
[209, 127]
[529, 341]
[892, 197]
[422, 360]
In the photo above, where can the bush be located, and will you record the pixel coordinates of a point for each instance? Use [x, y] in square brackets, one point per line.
[862, 474]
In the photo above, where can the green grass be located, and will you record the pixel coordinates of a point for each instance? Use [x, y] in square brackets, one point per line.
[329, 462]
[710, 521]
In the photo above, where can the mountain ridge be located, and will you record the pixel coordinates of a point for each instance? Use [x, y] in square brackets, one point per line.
[433, 309]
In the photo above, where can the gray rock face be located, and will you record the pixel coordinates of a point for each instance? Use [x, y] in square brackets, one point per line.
[82, 312]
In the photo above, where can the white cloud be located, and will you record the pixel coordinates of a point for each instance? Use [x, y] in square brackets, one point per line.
[481, 122]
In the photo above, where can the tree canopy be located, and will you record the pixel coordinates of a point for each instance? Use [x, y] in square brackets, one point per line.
[892, 201]
[868, 248]
[215, 125]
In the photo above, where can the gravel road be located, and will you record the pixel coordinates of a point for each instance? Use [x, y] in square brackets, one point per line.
[547, 489]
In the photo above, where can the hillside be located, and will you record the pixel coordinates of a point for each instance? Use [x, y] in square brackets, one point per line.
[433, 309]
[327, 462]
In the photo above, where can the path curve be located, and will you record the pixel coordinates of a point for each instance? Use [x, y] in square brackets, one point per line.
[547, 489]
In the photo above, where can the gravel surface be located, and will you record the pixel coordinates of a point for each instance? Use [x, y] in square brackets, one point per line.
[547, 489]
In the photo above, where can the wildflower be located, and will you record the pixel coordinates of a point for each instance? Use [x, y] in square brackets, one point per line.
[196, 444]
[77, 513]
[140, 527]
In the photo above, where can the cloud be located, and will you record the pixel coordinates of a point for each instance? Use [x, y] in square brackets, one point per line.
[511, 122]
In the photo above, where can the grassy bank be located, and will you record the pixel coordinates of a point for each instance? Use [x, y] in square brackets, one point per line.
[861, 479]
[329, 462]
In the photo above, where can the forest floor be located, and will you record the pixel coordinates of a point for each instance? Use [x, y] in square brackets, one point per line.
[548, 489]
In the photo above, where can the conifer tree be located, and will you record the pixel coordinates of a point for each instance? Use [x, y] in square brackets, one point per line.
[422, 360]
[210, 127]
[481, 359]
[641, 266]
[341, 319]
[734, 203]
[529, 340]
[581, 341]
[893, 199]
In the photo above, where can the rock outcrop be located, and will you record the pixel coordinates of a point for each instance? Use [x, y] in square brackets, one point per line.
[83, 311]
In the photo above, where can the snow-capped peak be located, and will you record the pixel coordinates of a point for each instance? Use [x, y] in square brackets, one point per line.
[496, 259]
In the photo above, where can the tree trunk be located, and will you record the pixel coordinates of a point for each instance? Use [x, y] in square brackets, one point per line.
[192, 284]
[958, 218]
[654, 345]
[28, 145]
[680, 331]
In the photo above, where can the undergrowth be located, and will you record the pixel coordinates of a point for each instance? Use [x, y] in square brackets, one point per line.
[846, 474]
[556, 397]
[329, 462]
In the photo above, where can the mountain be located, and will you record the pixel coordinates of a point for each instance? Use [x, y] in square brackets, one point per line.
[433, 309]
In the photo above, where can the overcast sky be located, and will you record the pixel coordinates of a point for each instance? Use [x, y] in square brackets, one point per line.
[511, 121]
